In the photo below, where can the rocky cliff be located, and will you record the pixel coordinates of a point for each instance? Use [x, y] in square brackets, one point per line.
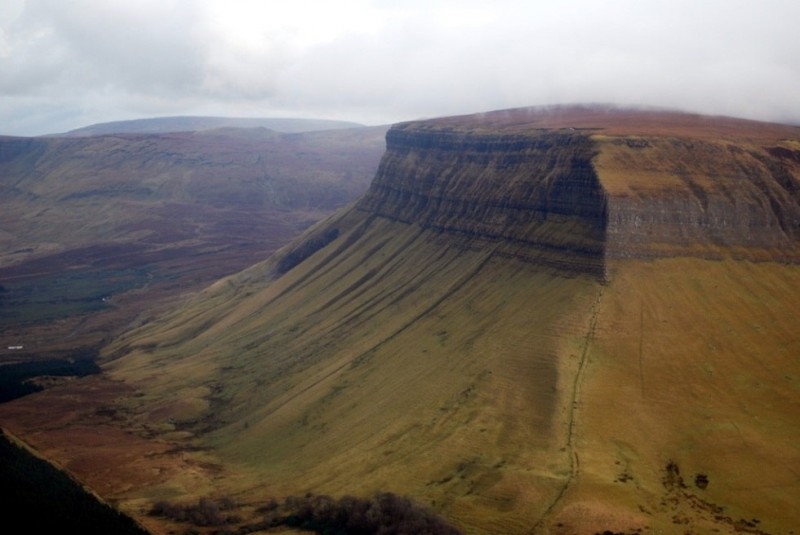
[570, 190]
[685, 196]
[537, 196]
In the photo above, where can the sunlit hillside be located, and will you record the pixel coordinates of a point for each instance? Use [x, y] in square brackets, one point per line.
[557, 321]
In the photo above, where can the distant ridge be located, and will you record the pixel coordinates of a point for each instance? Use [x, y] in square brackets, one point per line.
[216, 199]
[161, 125]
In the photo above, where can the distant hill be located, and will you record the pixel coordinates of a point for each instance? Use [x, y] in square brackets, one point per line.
[160, 125]
[84, 221]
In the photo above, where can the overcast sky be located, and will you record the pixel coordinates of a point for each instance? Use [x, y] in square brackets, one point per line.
[70, 63]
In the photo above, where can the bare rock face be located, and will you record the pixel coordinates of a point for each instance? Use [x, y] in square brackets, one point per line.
[572, 187]
[703, 197]
[537, 196]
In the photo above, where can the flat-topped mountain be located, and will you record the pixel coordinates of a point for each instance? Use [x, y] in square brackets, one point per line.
[561, 320]
[640, 183]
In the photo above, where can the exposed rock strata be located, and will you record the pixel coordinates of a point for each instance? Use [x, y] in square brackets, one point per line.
[701, 198]
[572, 197]
[537, 196]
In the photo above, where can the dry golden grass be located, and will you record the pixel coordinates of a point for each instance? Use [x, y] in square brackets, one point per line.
[414, 365]
[694, 362]
[449, 374]
[616, 121]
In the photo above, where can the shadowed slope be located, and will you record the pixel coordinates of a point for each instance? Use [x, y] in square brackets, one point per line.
[536, 195]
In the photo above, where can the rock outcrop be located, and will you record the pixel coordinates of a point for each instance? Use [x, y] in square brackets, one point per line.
[568, 190]
[536, 195]
[709, 198]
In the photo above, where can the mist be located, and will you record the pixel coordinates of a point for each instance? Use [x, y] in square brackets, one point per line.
[68, 64]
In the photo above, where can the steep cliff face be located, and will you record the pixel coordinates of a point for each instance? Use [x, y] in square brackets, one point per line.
[714, 198]
[574, 197]
[535, 196]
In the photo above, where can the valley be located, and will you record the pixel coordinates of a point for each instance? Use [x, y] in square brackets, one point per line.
[98, 230]
[568, 320]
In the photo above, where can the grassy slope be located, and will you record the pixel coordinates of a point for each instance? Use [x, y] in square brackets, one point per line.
[405, 363]
[509, 396]
[62, 193]
[449, 374]
[694, 362]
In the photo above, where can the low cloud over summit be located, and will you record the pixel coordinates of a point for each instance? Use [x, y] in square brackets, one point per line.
[65, 65]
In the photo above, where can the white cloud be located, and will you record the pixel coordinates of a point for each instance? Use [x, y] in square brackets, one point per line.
[63, 64]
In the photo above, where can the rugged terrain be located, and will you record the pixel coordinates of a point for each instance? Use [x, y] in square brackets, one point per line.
[566, 320]
[96, 230]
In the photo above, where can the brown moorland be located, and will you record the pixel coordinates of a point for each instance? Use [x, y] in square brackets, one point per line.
[96, 231]
[559, 321]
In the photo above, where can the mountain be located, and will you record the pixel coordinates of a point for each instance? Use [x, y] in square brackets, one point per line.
[115, 224]
[162, 125]
[552, 320]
